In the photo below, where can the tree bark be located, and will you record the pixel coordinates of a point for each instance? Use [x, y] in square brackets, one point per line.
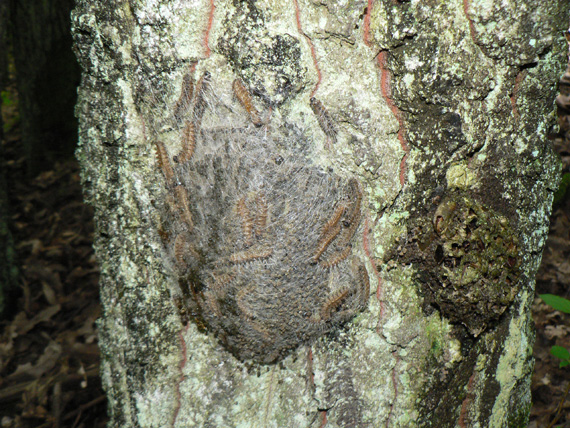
[47, 78]
[8, 270]
[391, 143]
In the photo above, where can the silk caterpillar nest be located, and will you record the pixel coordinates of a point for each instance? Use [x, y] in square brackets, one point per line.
[261, 238]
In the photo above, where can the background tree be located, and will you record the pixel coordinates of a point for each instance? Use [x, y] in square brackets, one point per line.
[35, 43]
[8, 272]
[46, 79]
[399, 144]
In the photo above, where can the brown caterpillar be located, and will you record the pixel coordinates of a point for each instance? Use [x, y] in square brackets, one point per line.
[179, 249]
[332, 303]
[337, 215]
[245, 100]
[248, 314]
[324, 119]
[183, 249]
[245, 310]
[325, 241]
[364, 284]
[188, 143]
[336, 258]
[221, 282]
[261, 218]
[330, 230]
[257, 326]
[212, 301]
[354, 214]
[186, 93]
[183, 205]
[164, 161]
[250, 255]
[246, 221]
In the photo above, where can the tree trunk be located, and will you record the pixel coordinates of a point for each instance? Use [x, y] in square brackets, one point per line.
[316, 214]
[8, 269]
[47, 78]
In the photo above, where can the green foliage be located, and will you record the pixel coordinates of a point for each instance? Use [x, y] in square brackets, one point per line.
[6, 98]
[563, 305]
[559, 303]
[562, 353]
[10, 115]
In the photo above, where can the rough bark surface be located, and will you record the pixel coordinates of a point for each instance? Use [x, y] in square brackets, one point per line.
[438, 110]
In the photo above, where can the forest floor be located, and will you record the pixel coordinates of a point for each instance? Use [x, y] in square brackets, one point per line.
[549, 382]
[49, 358]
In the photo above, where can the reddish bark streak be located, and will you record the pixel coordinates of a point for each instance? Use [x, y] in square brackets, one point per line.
[395, 383]
[462, 423]
[466, 4]
[209, 28]
[366, 28]
[310, 374]
[514, 96]
[387, 95]
[182, 365]
[323, 418]
[310, 42]
[386, 92]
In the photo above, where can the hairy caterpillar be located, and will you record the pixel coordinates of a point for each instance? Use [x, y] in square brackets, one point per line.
[336, 258]
[245, 309]
[364, 284]
[333, 303]
[183, 205]
[330, 232]
[244, 98]
[246, 221]
[256, 226]
[353, 217]
[185, 99]
[180, 249]
[163, 162]
[251, 254]
[323, 117]
[188, 143]
[261, 218]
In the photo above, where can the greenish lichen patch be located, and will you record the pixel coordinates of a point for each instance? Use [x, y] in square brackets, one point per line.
[460, 176]
[470, 261]
[505, 30]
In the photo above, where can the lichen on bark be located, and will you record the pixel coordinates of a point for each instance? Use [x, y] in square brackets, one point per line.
[427, 103]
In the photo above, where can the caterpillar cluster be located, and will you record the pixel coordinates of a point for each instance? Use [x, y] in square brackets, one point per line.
[261, 239]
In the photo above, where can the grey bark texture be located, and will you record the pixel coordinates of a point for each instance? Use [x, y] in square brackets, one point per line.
[402, 144]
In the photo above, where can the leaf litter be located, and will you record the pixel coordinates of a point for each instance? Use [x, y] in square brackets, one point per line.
[49, 358]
